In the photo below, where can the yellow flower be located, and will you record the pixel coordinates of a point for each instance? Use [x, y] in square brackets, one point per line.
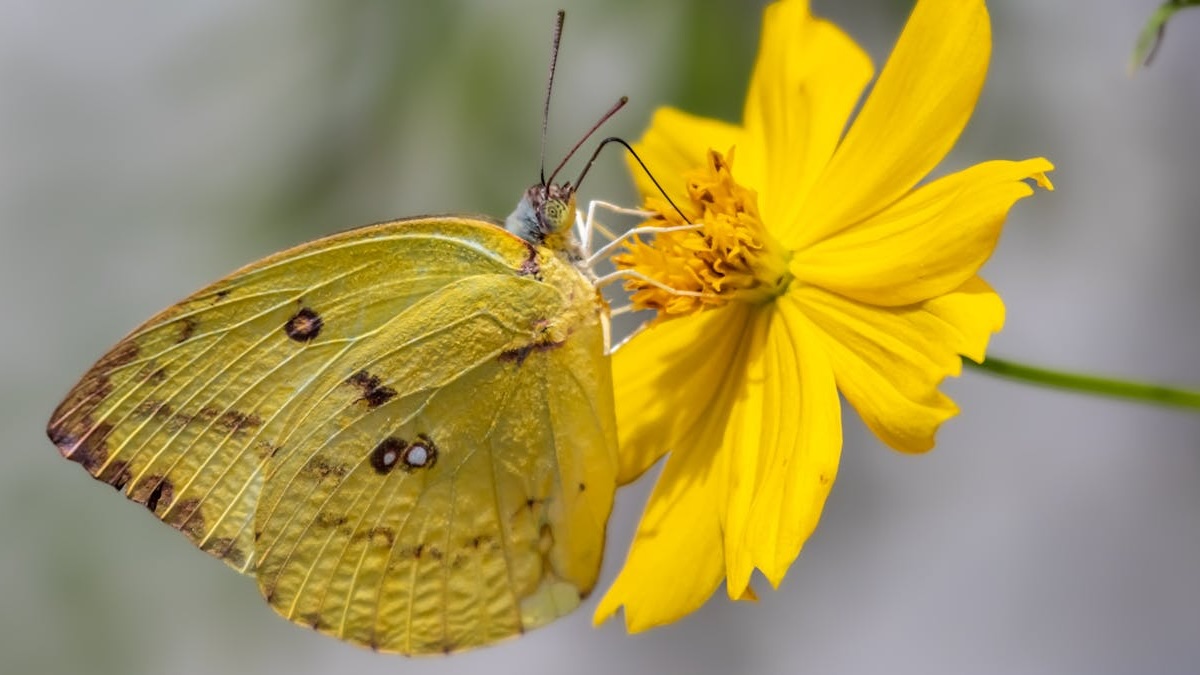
[820, 267]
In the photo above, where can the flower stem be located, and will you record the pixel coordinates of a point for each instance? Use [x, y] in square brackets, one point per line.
[1141, 392]
[1150, 39]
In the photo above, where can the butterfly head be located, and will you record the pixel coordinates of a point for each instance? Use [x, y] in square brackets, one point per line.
[544, 215]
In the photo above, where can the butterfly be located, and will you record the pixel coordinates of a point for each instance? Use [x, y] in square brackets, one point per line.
[404, 432]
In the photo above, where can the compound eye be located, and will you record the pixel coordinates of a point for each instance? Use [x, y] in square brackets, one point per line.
[555, 214]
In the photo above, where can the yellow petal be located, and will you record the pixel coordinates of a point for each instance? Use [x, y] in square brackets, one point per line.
[889, 361]
[675, 562]
[674, 145]
[668, 380]
[807, 79]
[913, 116]
[929, 242]
[784, 438]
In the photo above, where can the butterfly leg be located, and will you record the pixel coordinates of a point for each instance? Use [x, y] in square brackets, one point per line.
[590, 224]
[608, 248]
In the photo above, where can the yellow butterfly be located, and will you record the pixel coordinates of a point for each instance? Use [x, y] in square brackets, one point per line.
[405, 432]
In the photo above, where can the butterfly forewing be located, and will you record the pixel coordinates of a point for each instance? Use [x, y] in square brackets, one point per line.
[272, 389]
[413, 528]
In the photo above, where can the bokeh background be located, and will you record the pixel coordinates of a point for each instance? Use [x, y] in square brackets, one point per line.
[148, 148]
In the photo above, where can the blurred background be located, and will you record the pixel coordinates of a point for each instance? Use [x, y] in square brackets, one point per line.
[149, 148]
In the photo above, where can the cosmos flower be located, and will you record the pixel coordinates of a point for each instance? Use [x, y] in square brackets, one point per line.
[820, 267]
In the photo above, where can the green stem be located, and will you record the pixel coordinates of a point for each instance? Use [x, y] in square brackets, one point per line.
[1142, 392]
[1152, 33]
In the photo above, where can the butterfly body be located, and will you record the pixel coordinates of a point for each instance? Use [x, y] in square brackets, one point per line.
[405, 432]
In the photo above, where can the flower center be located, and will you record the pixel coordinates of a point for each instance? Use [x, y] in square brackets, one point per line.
[729, 257]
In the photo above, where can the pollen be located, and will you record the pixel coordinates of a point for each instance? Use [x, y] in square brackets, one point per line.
[729, 255]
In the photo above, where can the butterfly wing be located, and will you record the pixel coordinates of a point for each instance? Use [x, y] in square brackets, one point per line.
[405, 431]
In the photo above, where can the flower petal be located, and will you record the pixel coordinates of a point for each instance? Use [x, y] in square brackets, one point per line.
[911, 119]
[784, 439]
[890, 361]
[668, 381]
[929, 242]
[674, 145]
[808, 77]
[675, 561]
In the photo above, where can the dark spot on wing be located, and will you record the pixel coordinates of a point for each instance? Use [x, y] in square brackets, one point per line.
[314, 620]
[185, 516]
[373, 391]
[91, 450]
[322, 468]
[116, 474]
[393, 452]
[152, 407]
[519, 354]
[232, 421]
[380, 536]
[225, 548]
[421, 454]
[387, 454]
[187, 328]
[154, 492]
[330, 520]
[122, 354]
[304, 325]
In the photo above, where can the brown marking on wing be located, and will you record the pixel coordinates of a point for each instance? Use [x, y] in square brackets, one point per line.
[265, 448]
[154, 492]
[116, 474]
[322, 468]
[519, 354]
[314, 620]
[225, 548]
[186, 517]
[153, 408]
[89, 449]
[187, 328]
[379, 535]
[330, 520]
[72, 428]
[232, 421]
[530, 266]
[387, 454]
[304, 326]
[373, 391]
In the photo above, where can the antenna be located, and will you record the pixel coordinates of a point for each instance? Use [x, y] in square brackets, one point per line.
[558, 26]
[621, 141]
[603, 118]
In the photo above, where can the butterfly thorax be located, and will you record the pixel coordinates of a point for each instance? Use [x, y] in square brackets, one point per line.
[544, 217]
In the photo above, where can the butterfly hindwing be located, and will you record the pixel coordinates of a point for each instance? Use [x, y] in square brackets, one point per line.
[273, 389]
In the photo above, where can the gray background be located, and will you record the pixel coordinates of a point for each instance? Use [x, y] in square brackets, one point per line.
[147, 148]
